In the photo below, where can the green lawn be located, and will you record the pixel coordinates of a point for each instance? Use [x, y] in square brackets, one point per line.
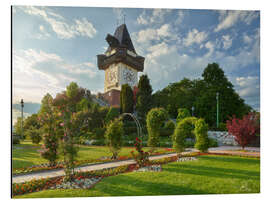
[208, 175]
[26, 154]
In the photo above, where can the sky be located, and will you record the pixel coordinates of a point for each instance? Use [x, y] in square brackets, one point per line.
[53, 46]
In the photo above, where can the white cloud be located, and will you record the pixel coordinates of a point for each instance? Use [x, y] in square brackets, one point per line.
[227, 41]
[249, 89]
[210, 46]
[194, 36]
[36, 72]
[230, 18]
[165, 31]
[156, 16]
[63, 28]
[180, 17]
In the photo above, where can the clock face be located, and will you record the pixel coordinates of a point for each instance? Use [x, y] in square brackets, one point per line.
[129, 77]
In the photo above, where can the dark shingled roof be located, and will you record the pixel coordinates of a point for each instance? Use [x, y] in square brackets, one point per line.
[123, 37]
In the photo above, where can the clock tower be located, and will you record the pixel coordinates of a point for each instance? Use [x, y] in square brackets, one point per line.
[121, 64]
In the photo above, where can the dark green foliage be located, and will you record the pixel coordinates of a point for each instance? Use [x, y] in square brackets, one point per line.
[114, 137]
[175, 95]
[31, 122]
[212, 142]
[168, 128]
[201, 94]
[18, 127]
[200, 131]
[230, 102]
[34, 134]
[143, 97]
[15, 139]
[126, 99]
[155, 120]
[112, 114]
[182, 113]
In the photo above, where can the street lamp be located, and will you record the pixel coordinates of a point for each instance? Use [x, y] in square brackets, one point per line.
[22, 105]
[217, 95]
[192, 109]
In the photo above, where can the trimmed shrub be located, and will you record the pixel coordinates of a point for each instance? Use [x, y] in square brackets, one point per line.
[182, 130]
[200, 130]
[182, 114]
[114, 135]
[155, 120]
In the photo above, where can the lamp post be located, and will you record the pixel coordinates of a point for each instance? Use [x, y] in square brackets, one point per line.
[192, 109]
[22, 105]
[217, 95]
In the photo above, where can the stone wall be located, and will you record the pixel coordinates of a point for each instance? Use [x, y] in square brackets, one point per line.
[222, 137]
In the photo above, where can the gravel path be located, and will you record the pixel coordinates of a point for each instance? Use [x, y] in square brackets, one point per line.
[253, 151]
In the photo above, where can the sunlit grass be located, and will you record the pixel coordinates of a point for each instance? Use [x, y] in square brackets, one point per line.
[207, 175]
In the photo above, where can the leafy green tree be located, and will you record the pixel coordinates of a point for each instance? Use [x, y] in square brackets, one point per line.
[126, 99]
[175, 95]
[34, 134]
[112, 114]
[230, 102]
[114, 137]
[143, 97]
[72, 121]
[18, 126]
[47, 118]
[155, 121]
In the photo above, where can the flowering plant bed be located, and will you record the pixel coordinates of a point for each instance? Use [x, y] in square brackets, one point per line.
[181, 159]
[60, 164]
[151, 168]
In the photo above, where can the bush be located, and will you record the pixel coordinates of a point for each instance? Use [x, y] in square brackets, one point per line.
[182, 130]
[112, 114]
[200, 130]
[114, 135]
[182, 114]
[168, 129]
[155, 120]
[34, 134]
[99, 133]
[15, 139]
[100, 142]
[222, 127]
[244, 130]
[212, 142]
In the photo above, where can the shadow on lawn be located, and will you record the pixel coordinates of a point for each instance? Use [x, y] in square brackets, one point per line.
[231, 159]
[214, 172]
[132, 186]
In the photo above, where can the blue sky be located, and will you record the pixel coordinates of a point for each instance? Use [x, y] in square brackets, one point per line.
[53, 46]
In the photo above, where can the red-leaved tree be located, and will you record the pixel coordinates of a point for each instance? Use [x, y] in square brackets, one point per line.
[244, 130]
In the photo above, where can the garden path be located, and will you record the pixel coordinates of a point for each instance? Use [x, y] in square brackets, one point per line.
[251, 151]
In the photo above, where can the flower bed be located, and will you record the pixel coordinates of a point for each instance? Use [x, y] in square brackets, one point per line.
[181, 159]
[152, 168]
[60, 164]
[58, 182]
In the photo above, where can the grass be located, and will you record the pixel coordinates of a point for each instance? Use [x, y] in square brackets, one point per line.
[26, 154]
[209, 175]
